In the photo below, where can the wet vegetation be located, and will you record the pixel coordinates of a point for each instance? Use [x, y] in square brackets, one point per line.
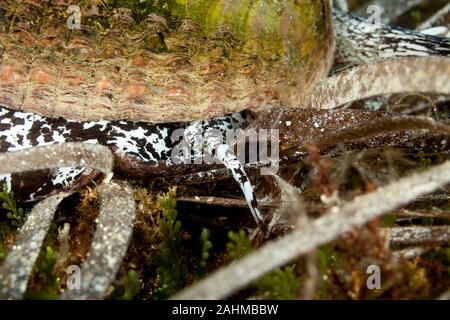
[183, 233]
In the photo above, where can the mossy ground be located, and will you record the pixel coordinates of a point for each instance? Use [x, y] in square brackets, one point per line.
[176, 242]
[171, 248]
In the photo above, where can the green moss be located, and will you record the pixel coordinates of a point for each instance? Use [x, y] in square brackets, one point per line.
[129, 287]
[424, 161]
[416, 16]
[206, 246]
[326, 257]
[239, 244]
[10, 220]
[48, 289]
[171, 263]
[280, 284]
[388, 221]
[132, 286]
[15, 215]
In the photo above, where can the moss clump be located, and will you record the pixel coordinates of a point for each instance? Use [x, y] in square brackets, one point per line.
[239, 244]
[171, 263]
[46, 277]
[132, 286]
[206, 246]
[15, 218]
[343, 267]
[280, 284]
[129, 289]
[15, 215]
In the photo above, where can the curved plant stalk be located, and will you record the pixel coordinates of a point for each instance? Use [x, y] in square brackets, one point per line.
[382, 126]
[442, 17]
[302, 130]
[292, 203]
[361, 210]
[56, 156]
[19, 263]
[389, 10]
[409, 236]
[18, 266]
[410, 253]
[110, 242]
[358, 41]
[405, 213]
[399, 75]
[228, 202]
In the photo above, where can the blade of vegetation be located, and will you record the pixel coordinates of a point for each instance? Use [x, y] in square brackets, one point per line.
[381, 126]
[294, 203]
[56, 156]
[237, 276]
[419, 235]
[360, 41]
[399, 75]
[442, 17]
[362, 129]
[19, 263]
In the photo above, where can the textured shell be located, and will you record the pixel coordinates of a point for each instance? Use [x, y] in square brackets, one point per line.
[193, 59]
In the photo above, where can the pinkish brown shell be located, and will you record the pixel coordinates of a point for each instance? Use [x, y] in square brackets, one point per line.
[127, 72]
